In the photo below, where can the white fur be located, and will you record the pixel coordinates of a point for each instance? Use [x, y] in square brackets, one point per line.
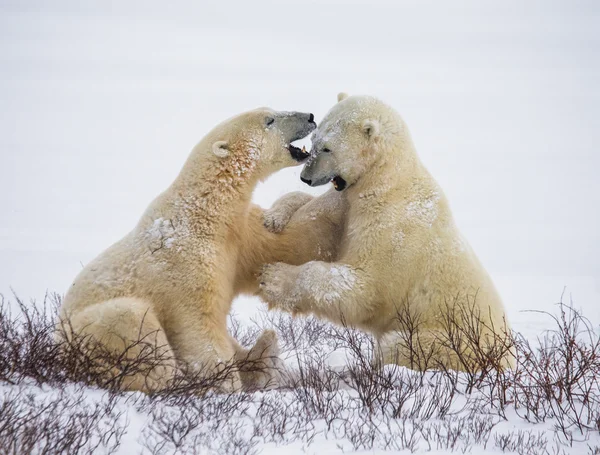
[199, 244]
[401, 251]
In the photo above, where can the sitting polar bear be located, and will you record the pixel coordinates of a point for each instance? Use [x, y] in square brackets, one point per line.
[171, 280]
[404, 272]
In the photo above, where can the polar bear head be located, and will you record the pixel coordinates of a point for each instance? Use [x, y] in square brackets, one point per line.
[259, 142]
[353, 137]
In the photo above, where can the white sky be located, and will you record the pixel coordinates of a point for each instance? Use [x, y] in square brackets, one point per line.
[100, 105]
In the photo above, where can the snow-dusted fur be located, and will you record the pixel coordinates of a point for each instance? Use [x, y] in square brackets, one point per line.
[401, 254]
[199, 244]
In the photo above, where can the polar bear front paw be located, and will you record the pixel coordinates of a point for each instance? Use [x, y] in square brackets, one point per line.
[276, 219]
[277, 286]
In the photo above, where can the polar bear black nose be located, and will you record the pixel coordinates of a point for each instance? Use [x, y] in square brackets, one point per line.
[311, 118]
[307, 181]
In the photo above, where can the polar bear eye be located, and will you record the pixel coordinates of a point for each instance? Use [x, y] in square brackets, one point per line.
[269, 121]
[325, 150]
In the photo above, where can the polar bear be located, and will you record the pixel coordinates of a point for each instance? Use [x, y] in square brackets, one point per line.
[171, 280]
[404, 272]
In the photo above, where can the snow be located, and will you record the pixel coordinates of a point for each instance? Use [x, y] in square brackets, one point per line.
[102, 103]
[423, 210]
[161, 234]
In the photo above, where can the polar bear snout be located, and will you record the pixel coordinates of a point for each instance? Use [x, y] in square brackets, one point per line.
[294, 126]
[319, 170]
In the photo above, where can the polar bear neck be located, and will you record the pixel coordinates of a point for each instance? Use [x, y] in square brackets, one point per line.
[218, 195]
[395, 170]
[215, 191]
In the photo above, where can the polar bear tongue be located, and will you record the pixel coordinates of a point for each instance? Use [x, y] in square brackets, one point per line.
[338, 183]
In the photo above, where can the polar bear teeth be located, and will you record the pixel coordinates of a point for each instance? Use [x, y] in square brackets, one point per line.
[338, 183]
[297, 153]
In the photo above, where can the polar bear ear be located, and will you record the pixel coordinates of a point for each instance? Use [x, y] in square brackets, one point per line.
[220, 149]
[342, 96]
[371, 128]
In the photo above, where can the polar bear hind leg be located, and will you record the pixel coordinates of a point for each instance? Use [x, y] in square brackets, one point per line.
[260, 366]
[212, 358]
[127, 330]
[443, 349]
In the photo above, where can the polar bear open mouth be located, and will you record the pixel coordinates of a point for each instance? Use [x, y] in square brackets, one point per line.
[338, 183]
[299, 154]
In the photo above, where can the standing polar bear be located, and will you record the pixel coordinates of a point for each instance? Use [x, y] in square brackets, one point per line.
[171, 281]
[404, 273]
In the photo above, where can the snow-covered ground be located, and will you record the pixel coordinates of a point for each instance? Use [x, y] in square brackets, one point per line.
[100, 103]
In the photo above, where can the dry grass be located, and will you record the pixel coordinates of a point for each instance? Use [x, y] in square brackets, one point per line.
[63, 397]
